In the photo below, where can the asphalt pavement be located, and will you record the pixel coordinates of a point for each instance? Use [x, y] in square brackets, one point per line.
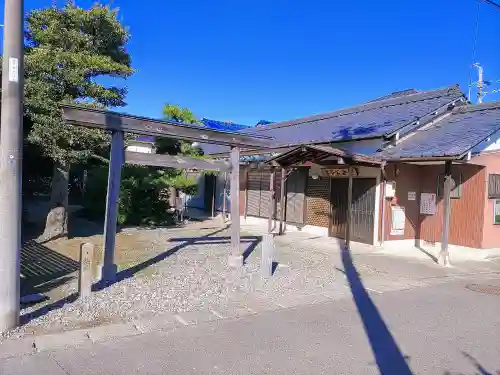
[438, 329]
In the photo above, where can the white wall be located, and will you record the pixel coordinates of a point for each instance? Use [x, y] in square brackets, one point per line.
[197, 201]
[144, 148]
[489, 145]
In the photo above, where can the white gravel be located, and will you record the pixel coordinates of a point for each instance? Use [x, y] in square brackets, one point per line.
[196, 277]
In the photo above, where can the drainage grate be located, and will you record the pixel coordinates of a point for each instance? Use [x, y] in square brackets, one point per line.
[487, 289]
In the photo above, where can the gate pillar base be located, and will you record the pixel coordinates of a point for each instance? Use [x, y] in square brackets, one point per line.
[235, 261]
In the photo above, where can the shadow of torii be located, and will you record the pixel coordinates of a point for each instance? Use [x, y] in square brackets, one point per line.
[131, 271]
[389, 358]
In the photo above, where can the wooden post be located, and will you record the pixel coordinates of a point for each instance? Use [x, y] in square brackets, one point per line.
[246, 192]
[236, 258]
[383, 211]
[224, 195]
[444, 256]
[349, 212]
[272, 201]
[213, 194]
[109, 268]
[85, 276]
[282, 200]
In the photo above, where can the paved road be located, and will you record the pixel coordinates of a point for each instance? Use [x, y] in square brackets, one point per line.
[440, 329]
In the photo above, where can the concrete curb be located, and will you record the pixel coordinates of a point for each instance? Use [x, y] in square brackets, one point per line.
[165, 322]
[234, 310]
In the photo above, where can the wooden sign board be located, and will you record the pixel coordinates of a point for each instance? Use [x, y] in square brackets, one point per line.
[340, 172]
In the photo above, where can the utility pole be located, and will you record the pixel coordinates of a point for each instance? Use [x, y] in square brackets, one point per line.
[11, 138]
[480, 83]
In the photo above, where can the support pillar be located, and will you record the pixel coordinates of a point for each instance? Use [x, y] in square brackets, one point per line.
[235, 258]
[349, 212]
[282, 200]
[272, 201]
[224, 196]
[444, 256]
[109, 268]
[246, 192]
[214, 188]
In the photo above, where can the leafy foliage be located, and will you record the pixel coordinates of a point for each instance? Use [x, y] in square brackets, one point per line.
[67, 53]
[173, 146]
[143, 194]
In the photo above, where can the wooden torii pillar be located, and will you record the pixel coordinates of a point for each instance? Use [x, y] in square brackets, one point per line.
[349, 212]
[119, 123]
[444, 255]
[284, 172]
[236, 258]
[272, 201]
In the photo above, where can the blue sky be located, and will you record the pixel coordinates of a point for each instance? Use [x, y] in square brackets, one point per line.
[280, 59]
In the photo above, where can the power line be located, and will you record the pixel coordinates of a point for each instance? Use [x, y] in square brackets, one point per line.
[492, 3]
[476, 28]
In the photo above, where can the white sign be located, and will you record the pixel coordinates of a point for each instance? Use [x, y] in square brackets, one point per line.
[13, 69]
[390, 189]
[398, 221]
[412, 196]
[427, 203]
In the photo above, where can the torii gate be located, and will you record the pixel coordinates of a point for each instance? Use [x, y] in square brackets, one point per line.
[119, 123]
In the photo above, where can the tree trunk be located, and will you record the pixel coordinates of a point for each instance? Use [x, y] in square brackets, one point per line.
[57, 220]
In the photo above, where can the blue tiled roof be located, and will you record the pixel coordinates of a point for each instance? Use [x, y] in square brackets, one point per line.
[453, 136]
[223, 125]
[264, 122]
[370, 120]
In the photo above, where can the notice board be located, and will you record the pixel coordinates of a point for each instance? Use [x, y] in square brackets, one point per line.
[427, 203]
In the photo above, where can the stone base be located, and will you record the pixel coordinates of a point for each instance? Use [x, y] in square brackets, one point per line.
[444, 260]
[235, 261]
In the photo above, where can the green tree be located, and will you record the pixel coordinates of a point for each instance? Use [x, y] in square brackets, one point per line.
[177, 180]
[68, 51]
[170, 146]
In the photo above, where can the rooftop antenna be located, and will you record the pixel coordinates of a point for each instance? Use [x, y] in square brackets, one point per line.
[480, 82]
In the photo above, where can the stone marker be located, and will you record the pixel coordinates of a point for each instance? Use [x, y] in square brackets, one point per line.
[266, 260]
[85, 277]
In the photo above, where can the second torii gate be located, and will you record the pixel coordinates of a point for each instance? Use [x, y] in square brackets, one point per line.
[119, 123]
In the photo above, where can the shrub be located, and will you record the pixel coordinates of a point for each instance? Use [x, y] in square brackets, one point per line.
[143, 194]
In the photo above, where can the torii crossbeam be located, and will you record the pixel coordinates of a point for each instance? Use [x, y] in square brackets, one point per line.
[119, 123]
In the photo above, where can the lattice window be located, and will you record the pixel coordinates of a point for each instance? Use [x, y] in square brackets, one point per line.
[494, 186]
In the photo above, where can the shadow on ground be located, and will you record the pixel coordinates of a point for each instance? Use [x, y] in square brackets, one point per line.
[130, 272]
[388, 356]
[43, 269]
[478, 367]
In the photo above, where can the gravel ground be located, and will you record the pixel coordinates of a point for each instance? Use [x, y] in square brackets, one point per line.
[188, 271]
[195, 277]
